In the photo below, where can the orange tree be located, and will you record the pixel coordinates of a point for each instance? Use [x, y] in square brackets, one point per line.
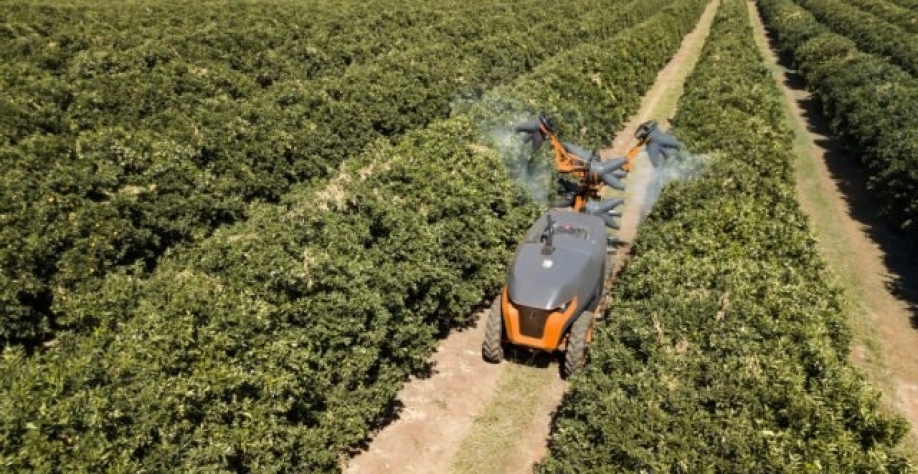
[278, 343]
[871, 104]
[130, 129]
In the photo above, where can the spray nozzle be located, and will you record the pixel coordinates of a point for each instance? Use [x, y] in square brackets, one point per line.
[605, 210]
[643, 131]
[537, 130]
[548, 123]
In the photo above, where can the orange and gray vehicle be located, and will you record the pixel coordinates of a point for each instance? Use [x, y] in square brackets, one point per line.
[556, 280]
[554, 285]
[556, 275]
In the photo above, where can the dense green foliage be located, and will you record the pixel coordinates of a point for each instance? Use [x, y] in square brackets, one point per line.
[903, 17]
[871, 33]
[264, 41]
[725, 350]
[120, 139]
[277, 343]
[872, 105]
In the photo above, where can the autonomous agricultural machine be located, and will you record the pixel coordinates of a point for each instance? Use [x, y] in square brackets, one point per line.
[556, 280]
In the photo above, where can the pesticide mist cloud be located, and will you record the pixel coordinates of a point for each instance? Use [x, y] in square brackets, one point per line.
[497, 114]
[531, 171]
[682, 167]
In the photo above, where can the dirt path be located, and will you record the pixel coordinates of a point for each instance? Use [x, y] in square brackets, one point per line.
[474, 417]
[436, 412]
[863, 258]
[516, 414]
[658, 104]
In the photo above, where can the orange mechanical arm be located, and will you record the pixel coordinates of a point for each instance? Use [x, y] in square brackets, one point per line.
[566, 162]
[633, 153]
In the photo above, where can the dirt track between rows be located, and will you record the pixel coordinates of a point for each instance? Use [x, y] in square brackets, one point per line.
[470, 416]
[868, 260]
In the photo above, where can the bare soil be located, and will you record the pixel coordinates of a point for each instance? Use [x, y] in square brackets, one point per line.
[437, 411]
[876, 268]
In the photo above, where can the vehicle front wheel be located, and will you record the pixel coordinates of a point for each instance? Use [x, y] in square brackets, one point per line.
[575, 354]
[492, 350]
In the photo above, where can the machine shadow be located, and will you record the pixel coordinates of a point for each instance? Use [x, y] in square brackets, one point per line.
[530, 357]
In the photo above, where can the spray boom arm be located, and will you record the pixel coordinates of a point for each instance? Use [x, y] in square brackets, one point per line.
[565, 160]
[544, 127]
[591, 172]
[655, 140]
[633, 153]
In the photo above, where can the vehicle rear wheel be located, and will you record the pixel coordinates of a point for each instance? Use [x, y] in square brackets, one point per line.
[492, 350]
[575, 355]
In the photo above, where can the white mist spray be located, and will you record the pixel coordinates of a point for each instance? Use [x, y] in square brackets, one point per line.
[682, 167]
[531, 171]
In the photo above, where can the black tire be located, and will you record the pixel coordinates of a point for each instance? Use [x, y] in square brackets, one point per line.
[575, 355]
[492, 350]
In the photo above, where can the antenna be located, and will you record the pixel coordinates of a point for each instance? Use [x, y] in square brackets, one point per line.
[548, 236]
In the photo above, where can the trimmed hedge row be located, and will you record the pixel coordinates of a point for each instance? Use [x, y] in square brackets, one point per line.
[872, 105]
[126, 165]
[272, 353]
[903, 17]
[278, 343]
[725, 350]
[871, 33]
[264, 41]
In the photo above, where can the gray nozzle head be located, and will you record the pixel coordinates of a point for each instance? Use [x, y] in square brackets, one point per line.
[580, 152]
[607, 172]
[604, 210]
[535, 129]
[661, 143]
[533, 133]
[547, 121]
[644, 129]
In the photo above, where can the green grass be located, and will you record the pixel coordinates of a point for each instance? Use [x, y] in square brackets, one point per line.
[500, 427]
